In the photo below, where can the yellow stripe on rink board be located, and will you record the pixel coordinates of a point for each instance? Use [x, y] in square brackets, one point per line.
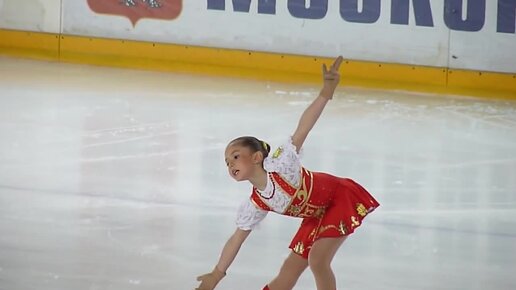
[29, 44]
[475, 83]
[253, 65]
[181, 58]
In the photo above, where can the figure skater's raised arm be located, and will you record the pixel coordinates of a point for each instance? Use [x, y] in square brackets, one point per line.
[311, 114]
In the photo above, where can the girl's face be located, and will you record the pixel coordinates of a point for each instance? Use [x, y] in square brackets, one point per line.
[241, 161]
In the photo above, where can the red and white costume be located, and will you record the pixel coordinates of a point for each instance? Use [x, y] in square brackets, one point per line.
[330, 206]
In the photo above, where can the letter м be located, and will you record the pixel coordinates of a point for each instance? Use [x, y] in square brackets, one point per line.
[264, 6]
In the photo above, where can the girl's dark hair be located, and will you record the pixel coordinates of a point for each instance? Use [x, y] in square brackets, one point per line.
[254, 144]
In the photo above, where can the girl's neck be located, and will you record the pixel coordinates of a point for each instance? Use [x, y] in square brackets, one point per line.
[259, 179]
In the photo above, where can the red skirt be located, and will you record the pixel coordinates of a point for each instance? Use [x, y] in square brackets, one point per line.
[350, 204]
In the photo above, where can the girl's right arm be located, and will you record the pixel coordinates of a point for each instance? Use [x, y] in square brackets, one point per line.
[229, 252]
[231, 249]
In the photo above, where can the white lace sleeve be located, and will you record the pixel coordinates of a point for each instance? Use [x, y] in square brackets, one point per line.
[249, 216]
[286, 161]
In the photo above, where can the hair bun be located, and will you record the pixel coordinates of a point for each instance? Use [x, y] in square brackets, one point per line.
[266, 146]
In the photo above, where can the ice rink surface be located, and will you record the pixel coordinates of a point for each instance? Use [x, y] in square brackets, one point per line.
[115, 179]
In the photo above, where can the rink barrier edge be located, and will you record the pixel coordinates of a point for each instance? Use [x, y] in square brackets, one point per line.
[252, 65]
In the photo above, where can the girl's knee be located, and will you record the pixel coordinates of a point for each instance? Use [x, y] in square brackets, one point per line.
[319, 263]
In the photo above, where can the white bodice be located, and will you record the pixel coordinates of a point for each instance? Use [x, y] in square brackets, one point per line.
[284, 161]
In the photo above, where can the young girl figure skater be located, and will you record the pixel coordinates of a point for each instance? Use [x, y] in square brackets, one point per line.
[331, 207]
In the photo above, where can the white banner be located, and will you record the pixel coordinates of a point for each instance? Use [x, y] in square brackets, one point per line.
[442, 33]
[461, 34]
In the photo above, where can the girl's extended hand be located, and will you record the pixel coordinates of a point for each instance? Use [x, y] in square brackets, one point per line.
[331, 78]
[210, 280]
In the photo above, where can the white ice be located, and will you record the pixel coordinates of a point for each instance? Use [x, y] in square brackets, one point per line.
[115, 179]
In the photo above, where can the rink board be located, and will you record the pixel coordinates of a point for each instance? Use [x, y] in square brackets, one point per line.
[254, 65]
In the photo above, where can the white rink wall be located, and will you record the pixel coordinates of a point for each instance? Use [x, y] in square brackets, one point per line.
[31, 15]
[456, 34]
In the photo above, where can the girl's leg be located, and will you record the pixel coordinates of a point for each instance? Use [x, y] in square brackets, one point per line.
[289, 273]
[319, 260]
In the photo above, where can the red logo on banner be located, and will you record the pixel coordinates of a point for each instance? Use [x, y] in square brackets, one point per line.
[138, 9]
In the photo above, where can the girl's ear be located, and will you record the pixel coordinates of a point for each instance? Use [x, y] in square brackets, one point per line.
[257, 157]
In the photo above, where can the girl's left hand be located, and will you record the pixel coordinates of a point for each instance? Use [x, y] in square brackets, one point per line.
[331, 77]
